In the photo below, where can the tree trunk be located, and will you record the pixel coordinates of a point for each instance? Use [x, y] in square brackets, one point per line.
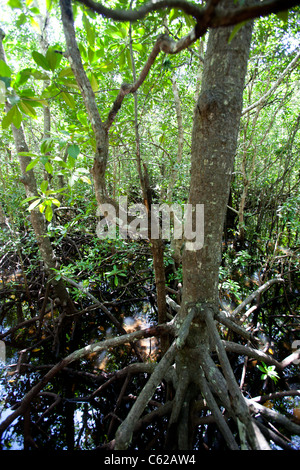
[100, 130]
[214, 140]
[37, 219]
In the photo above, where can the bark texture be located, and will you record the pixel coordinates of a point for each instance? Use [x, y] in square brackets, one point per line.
[214, 140]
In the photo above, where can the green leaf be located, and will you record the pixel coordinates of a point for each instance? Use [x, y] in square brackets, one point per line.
[236, 29]
[66, 72]
[8, 118]
[47, 145]
[15, 4]
[44, 159]
[32, 164]
[44, 186]
[94, 83]
[53, 58]
[35, 25]
[22, 76]
[34, 10]
[138, 47]
[6, 81]
[49, 168]
[107, 67]
[39, 75]
[189, 20]
[73, 151]
[5, 70]
[28, 154]
[128, 56]
[90, 33]
[14, 99]
[17, 118]
[62, 164]
[122, 60]
[30, 198]
[42, 207]
[69, 100]
[34, 204]
[91, 54]
[41, 60]
[71, 162]
[48, 213]
[83, 51]
[27, 108]
[85, 179]
[174, 13]
[21, 20]
[82, 118]
[12, 117]
[56, 202]
[49, 5]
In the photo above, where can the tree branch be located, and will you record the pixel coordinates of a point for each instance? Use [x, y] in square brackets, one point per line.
[251, 352]
[263, 99]
[254, 294]
[144, 10]
[207, 17]
[163, 43]
[273, 416]
[230, 18]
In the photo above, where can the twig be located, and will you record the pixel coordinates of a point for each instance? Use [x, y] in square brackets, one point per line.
[83, 289]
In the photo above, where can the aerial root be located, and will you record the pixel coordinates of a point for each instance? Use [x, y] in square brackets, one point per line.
[125, 431]
[178, 405]
[248, 435]
[215, 410]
